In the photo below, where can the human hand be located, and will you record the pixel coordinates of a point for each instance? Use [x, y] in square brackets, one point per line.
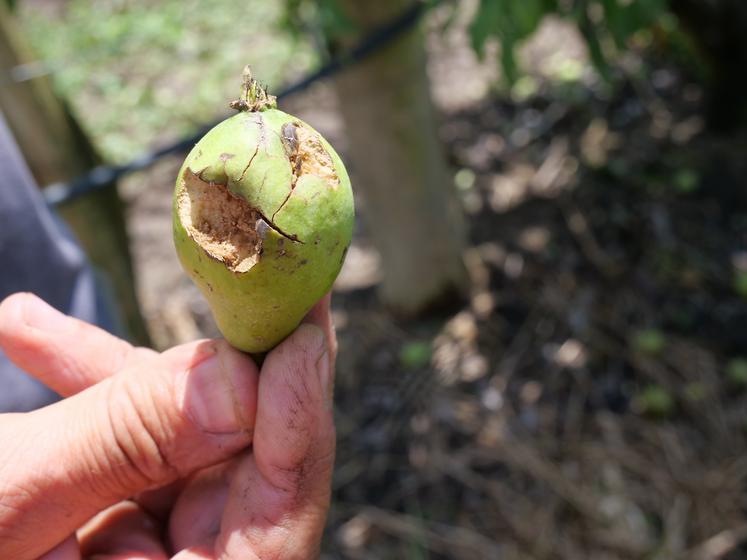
[150, 455]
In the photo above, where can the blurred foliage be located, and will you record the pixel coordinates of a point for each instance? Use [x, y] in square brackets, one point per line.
[162, 70]
[656, 401]
[695, 392]
[165, 69]
[608, 26]
[740, 283]
[686, 180]
[464, 179]
[649, 341]
[415, 354]
[316, 16]
[736, 371]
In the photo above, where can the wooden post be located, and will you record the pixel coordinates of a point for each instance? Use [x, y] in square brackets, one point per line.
[410, 205]
[56, 149]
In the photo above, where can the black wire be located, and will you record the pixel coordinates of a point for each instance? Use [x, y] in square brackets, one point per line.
[104, 176]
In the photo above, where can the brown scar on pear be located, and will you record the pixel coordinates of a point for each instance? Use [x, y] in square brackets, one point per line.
[225, 225]
[307, 154]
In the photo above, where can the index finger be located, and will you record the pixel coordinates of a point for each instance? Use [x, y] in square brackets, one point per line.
[66, 354]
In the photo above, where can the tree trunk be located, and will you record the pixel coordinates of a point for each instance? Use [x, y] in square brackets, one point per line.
[55, 150]
[399, 167]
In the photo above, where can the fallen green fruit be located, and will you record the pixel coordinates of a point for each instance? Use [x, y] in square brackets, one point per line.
[263, 216]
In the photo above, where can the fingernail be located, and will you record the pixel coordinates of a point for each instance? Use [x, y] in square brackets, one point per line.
[324, 371]
[316, 341]
[40, 315]
[209, 396]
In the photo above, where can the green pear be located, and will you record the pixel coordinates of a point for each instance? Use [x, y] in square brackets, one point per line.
[263, 216]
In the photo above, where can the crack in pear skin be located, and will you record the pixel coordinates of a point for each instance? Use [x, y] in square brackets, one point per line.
[290, 142]
[306, 156]
[291, 236]
[248, 165]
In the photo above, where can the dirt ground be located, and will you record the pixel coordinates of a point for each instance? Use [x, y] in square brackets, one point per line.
[588, 400]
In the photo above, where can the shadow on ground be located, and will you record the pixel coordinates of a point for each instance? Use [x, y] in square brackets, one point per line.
[589, 401]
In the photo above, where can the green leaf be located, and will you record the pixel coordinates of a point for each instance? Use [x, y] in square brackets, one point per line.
[333, 19]
[526, 16]
[598, 58]
[484, 25]
[508, 61]
[736, 371]
[648, 12]
[686, 180]
[655, 400]
[290, 19]
[625, 19]
[649, 341]
[614, 18]
[740, 283]
[415, 355]
[511, 22]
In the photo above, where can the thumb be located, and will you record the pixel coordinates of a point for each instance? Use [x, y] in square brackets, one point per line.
[155, 421]
[280, 495]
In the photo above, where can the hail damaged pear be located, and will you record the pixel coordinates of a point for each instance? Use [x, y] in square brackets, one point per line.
[262, 216]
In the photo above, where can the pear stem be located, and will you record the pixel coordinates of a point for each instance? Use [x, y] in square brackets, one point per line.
[254, 96]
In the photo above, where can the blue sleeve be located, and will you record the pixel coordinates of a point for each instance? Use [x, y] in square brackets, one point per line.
[38, 254]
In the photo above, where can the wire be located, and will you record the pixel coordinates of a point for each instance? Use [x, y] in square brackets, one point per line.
[105, 176]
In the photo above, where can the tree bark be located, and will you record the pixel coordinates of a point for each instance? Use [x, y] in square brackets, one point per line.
[399, 166]
[56, 150]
